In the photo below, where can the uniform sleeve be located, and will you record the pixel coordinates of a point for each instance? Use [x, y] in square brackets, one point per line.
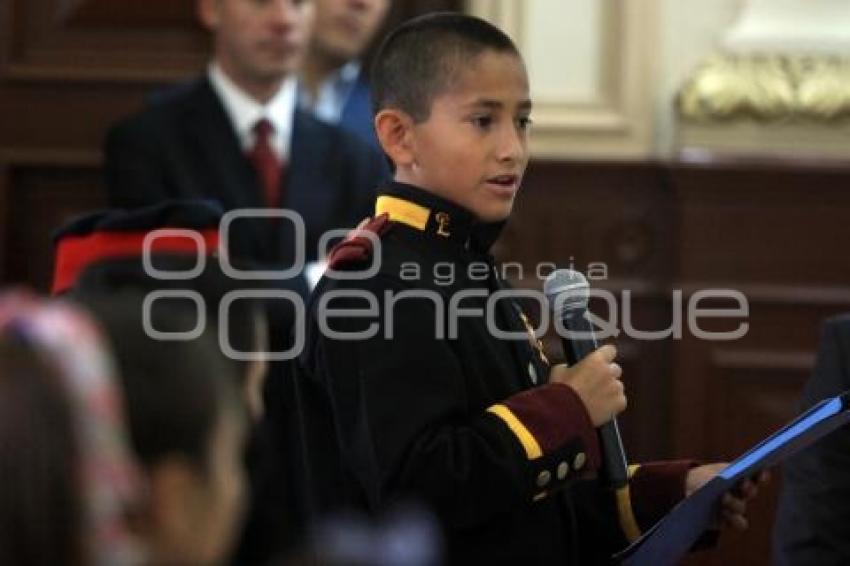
[405, 428]
[608, 521]
[653, 490]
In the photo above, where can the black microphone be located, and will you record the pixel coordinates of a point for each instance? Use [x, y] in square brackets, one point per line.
[568, 293]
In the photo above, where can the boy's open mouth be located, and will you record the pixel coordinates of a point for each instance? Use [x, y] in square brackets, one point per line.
[504, 180]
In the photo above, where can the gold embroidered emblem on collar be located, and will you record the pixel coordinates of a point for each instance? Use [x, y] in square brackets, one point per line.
[443, 220]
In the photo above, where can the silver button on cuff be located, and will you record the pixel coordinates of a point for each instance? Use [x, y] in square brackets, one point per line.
[544, 478]
[579, 461]
[563, 470]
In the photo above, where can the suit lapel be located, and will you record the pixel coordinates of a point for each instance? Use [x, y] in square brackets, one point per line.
[235, 182]
[311, 190]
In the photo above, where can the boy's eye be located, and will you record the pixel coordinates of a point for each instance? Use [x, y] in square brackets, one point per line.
[482, 122]
[524, 123]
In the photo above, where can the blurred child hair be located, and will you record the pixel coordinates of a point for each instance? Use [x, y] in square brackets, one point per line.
[41, 507]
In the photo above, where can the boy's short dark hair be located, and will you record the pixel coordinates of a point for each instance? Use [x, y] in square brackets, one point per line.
[420, 59]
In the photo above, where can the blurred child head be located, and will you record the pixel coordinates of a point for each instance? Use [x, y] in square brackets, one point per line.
[245, 329]
[452, 105]
[66, 459]
[186, 425]
[41, 506]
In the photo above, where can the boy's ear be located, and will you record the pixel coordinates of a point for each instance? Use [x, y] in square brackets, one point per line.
[395, 133]
[207, 11]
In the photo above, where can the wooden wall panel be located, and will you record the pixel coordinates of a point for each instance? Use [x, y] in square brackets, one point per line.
[588, 212]
[39, 198]
[763, 223]
[51, 40]
[69, 69]
[138, 13]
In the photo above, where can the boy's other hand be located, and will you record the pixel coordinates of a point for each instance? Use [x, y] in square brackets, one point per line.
[733, 505]
[596, 380]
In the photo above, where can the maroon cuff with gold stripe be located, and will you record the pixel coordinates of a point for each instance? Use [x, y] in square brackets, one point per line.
[656, 488]
[548, 417]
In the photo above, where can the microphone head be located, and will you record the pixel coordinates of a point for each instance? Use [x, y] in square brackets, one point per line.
[568, 288]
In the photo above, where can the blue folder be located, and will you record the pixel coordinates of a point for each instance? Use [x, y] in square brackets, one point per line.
[671, 538]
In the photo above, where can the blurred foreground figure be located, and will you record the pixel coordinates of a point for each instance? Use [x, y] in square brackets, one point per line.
[69, 480]
[187, 426]
[813, 518]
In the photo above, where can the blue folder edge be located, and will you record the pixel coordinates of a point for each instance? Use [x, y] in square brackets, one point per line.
[671, 538]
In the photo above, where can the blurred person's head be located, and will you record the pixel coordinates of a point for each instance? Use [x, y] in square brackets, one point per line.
[245, 330]
[65, 462]
[258, 43]
[41, 505]
[187, 429]
[451, 99]
[343, 29]
[104, 253]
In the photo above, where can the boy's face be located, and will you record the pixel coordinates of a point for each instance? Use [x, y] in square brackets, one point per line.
[473, 148]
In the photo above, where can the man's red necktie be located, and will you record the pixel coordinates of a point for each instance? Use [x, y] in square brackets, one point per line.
[266, 162]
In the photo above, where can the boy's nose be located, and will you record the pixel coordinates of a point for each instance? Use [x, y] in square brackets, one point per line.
[513, 145]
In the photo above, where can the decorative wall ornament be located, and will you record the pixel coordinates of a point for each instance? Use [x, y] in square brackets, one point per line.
[768, 88]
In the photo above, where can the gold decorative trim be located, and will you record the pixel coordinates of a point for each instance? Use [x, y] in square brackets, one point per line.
[403, 211]
[529, 443]
[628, 522]
[768, 88]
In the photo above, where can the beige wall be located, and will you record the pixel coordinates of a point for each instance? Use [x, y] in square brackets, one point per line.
[605, 73]
[689, 31]
[640, 51]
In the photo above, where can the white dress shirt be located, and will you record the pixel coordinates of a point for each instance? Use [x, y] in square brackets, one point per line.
[333, 93]
[244, 112]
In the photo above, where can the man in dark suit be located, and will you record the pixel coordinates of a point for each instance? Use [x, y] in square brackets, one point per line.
[813, 519]
[235, 136]
[334, 86]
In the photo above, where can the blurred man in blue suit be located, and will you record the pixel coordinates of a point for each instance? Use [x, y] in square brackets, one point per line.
[334, 82]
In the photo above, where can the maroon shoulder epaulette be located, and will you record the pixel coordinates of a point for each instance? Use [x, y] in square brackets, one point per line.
[356, 247]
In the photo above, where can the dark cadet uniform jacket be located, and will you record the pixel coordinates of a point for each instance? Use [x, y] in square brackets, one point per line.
[426, 404]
